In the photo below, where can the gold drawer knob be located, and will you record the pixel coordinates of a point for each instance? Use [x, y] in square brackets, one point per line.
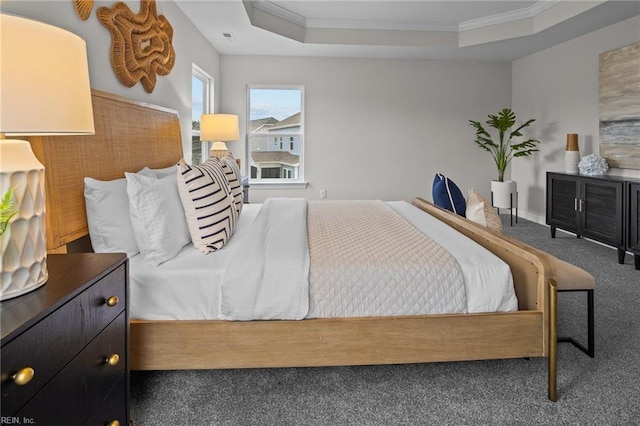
[113, 359]
[23, 376]
[114, 423]
[112, 301]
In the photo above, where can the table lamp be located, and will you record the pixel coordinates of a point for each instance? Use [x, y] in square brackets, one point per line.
[44, 90]
[219, 128]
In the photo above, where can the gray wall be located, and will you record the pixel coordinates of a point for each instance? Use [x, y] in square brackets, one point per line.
[377, 128]
[382, 128]
[559, 87]
[172, 91]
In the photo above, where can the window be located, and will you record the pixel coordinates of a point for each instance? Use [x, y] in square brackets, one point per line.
[276, 115]
[201, 84]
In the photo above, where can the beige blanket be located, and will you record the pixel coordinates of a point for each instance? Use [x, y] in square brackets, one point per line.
[367, 260]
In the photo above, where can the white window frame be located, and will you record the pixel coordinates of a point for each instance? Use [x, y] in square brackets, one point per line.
[207, 103]
[297, 182]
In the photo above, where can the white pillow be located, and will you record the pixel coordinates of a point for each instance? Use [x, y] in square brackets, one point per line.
[159, 173]
[208, 204]
[234, 178]
[159, 226]
[107, 206]
[480, 210]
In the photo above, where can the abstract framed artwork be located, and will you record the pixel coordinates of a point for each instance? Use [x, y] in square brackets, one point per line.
[619, 101]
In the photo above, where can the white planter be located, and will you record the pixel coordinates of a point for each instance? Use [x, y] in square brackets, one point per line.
[504, 194]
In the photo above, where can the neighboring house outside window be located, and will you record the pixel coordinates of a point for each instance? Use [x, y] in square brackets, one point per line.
[276, 136]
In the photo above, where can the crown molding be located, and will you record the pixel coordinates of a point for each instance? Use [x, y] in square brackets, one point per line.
[543, 14]
[515, 15]
[278, 11]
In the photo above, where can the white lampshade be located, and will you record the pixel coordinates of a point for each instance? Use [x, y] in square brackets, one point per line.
[44, 85]
[219, 127]
[44, 90]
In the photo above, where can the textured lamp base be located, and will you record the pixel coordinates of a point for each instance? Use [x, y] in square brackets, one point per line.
[219, 153]
[23, 266]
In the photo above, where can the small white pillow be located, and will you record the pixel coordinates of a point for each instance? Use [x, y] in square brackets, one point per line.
[159, 173]
[480, 211]
[208, 204]
[107, 207]
[159, 226]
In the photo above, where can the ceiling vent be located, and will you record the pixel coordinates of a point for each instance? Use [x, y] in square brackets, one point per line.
[229, 36]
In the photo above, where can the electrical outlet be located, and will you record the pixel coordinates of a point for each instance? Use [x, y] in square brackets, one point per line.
[323, 193]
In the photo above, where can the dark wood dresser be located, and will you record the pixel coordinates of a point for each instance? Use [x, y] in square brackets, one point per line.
[603, 208]
[634, 221]
[65, 348]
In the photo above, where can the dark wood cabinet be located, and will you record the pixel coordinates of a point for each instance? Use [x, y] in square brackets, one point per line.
[596, 207]
[634, 222]
[601, 212]
[563, 192]
[73, 333]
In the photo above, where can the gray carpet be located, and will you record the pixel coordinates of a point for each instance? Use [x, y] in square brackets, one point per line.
[600, 391]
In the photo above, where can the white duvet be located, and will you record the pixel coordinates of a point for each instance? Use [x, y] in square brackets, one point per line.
[190, 286]
[270, 279]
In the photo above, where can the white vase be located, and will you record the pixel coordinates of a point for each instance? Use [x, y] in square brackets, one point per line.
[504, 194]
[571, 160]
[571, 154]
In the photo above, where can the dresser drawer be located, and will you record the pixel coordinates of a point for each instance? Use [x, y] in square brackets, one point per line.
[113, 407]
[52, 342]
[80, 387]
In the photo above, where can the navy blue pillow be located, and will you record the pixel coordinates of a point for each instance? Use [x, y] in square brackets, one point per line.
[447, 195]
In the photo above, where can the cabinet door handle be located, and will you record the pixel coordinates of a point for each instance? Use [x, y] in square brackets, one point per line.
[112, 359]
[581, 205]
[112, 301]
[23, 376]
[575, 204]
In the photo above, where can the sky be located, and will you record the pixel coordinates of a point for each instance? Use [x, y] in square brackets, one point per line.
[196, 99]
[278, 103]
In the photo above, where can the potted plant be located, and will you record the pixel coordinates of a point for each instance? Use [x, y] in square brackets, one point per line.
[504, 150]
[7, 210]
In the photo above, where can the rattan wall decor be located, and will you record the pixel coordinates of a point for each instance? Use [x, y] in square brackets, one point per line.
[140, 43]
[83, 8]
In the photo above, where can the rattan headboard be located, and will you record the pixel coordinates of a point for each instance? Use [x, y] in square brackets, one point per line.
[129, 135]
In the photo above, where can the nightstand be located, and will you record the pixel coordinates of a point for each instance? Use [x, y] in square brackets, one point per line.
[245, 189]
[65, 345]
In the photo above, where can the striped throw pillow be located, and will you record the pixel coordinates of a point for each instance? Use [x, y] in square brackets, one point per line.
[208, 204]
[232, 172]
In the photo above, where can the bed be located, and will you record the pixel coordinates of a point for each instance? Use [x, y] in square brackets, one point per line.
[131, 135]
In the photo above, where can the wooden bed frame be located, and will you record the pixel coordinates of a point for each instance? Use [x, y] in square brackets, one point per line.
[130, 135]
